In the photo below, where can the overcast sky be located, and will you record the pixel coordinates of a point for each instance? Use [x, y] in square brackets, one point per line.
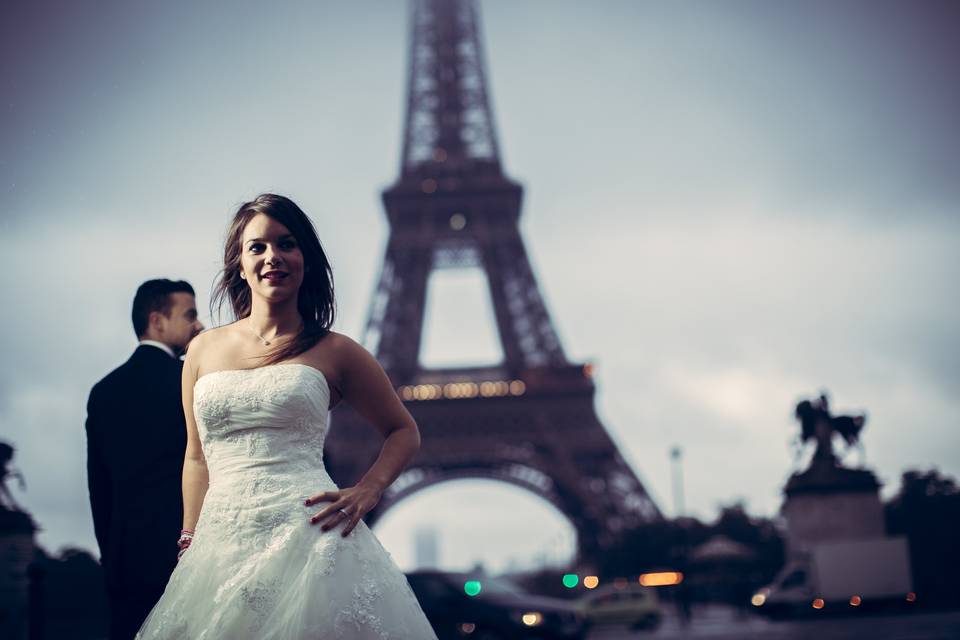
[729, 206]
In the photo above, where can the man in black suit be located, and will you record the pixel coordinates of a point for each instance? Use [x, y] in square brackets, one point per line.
[136, 437]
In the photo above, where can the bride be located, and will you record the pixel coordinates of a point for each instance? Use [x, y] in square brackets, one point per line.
[271, 547]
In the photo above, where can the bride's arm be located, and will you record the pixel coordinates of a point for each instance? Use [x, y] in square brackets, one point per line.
[369, 391]
[195, 476]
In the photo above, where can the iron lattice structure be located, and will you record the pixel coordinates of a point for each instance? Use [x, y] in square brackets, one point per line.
[529, 421]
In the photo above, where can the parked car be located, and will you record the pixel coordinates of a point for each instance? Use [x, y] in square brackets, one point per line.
[498, 610]
[633, 605]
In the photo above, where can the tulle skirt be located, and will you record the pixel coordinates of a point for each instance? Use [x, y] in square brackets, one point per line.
[258, 569]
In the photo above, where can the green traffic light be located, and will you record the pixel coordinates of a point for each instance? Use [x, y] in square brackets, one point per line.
[471, 587]
[571, 580]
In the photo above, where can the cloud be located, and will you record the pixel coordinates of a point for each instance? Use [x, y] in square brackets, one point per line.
[736, 395]
[706, 334]
[725, 212]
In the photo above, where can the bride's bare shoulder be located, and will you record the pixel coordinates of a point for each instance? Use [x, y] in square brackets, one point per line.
[345, 353]
[340, 344]
[210, 339]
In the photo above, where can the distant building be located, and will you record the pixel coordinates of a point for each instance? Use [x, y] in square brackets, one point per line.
[426, 549]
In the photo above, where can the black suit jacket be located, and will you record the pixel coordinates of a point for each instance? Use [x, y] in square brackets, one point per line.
[136, 439]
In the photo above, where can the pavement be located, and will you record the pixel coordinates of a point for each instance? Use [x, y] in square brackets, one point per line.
[722, 623]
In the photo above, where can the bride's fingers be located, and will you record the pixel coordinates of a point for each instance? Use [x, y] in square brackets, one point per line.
[331, 510]
[352, 521]
[322, 497]
[342, 514]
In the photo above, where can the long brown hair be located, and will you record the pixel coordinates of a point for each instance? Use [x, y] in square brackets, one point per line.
[315, 300]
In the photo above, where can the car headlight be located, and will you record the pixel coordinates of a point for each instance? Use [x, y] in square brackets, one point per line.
[531, 618]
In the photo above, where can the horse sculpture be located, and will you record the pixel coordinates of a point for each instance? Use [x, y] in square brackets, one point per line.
[816, 423]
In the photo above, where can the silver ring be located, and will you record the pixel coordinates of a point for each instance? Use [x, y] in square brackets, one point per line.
[344, 512]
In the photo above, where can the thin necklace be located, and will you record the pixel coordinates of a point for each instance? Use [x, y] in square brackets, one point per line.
[265, 342]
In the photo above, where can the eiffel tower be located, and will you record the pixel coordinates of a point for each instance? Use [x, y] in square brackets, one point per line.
[530, 420]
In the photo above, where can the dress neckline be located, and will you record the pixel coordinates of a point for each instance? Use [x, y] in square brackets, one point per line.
[266, 366]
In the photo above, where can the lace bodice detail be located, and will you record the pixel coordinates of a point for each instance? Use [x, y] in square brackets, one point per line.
[273, 416]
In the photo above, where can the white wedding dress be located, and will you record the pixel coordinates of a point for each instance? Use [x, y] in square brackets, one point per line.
[257, 568]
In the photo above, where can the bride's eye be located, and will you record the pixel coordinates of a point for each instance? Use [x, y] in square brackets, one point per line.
[287, 244]
[256, 247]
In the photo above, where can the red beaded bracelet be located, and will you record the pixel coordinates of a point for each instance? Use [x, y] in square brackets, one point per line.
[186, 537]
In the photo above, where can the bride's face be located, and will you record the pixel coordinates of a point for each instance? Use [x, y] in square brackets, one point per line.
[270, 259]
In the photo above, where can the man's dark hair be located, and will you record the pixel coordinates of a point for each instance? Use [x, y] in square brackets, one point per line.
[154, 295]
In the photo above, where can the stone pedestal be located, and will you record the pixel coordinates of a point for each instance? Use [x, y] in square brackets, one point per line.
[829, 503]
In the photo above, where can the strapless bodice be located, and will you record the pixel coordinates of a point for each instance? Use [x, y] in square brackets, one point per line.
[272, 417]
